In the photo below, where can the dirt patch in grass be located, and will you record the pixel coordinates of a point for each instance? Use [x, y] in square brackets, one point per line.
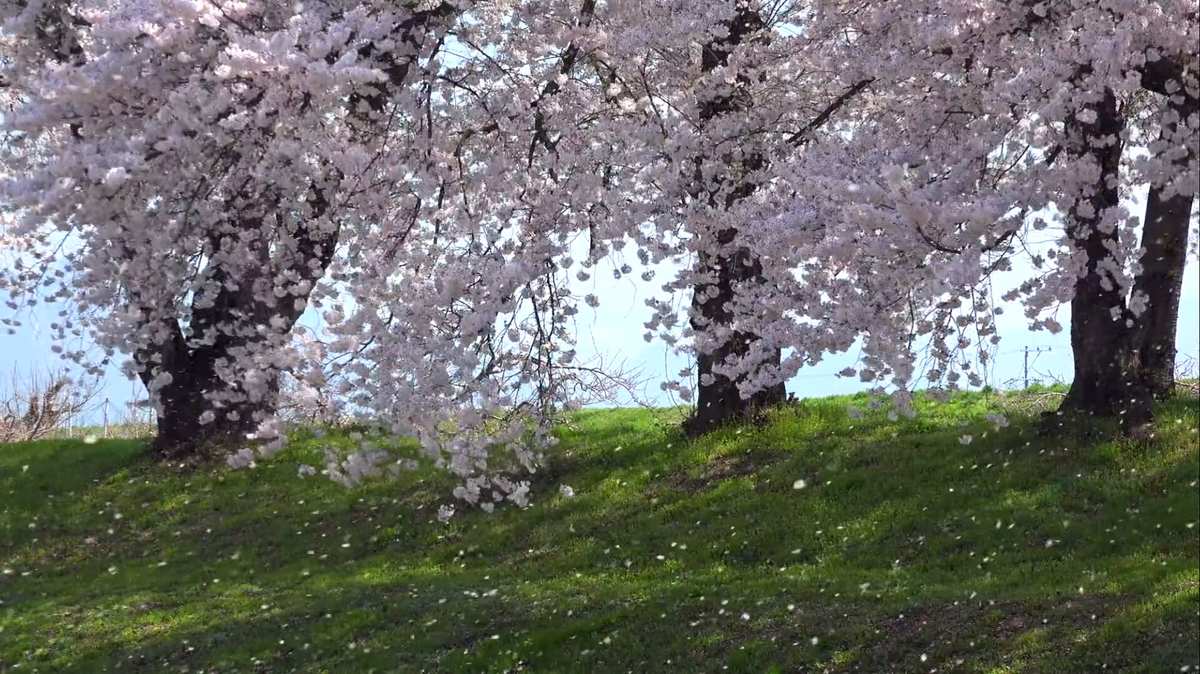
[720, 469]
[950, 635]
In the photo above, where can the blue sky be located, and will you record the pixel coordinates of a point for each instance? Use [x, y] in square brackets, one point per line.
[614, 330]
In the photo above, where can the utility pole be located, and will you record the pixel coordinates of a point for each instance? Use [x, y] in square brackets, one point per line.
[1036, 351]
[1026, 387]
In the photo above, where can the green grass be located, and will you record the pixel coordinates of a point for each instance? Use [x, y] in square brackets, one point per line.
[905, 551]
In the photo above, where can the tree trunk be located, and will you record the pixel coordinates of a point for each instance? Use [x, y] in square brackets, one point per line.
[1125, 360]
[1103, 383]
[719, 400]
[231, 326]
[1160, 283]
[733, 267]
[181, 431]
[195, 387]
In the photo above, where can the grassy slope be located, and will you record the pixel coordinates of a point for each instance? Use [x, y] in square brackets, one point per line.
[906, 551]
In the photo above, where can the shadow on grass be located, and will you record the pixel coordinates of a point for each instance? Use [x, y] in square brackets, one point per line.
[1010, 553]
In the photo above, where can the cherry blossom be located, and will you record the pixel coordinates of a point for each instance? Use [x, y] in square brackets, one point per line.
[435, 182]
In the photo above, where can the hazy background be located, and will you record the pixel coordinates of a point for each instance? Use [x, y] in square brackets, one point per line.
[614, 332]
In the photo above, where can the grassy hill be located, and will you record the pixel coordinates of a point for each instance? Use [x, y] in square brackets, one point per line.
[813, 543]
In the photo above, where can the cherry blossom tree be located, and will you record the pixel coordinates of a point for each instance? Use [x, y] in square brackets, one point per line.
[550, 140]
[983, 127]
[196, 177]
[184, 171]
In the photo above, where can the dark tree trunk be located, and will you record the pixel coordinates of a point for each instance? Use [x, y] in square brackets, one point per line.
[1103, 383]
[721, 275]
[1164, 238]
[180, 431]
[1123, 360]
[230, 326]
[719, 400]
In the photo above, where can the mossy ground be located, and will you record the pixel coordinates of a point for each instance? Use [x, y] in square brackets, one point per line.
[902, 550]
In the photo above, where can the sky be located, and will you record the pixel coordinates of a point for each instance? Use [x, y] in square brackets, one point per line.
[614, 331]
[615, 328]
